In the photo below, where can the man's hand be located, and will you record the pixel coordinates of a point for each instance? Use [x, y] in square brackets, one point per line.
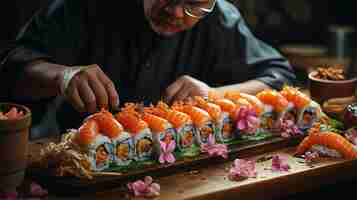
[90, 89]
[186, 87]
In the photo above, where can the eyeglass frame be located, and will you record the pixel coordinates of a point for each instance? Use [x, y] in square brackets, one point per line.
[188, 13]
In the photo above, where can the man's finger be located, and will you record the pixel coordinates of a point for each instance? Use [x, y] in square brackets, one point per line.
[172, 90]
[183, 93]
[87, 95]
[110, 88]
[76, 100]
[111, 91]
[99, 91]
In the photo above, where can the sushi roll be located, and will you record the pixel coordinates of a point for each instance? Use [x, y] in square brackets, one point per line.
[95, 138]
[226, 130]
[275, 107]
[243, 99]
[308, 115]
[95, 145]
[221, 120]
[161, 129]
[123, 149]
[302, 110]
[182, 123]
[202, 121]
[248, 112]
[140, 133]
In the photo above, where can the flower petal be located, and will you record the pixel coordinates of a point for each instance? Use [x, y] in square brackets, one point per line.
[170, 158]
[171, 147]
[242, 125]
[148, 180]
[162, 158]
[280, 163]
[9, 196]
[37, 190]
[155, 187]
[163, 146]
[211, 139]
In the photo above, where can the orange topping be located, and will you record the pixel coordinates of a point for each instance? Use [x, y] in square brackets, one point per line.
[198, 115]
[226, 105]
[156, 124]
[87, 132]
[253, 100]
[273, 98]
[213, 110]
[108, 125]
[299, 99]
[131, 119]
[176, 118]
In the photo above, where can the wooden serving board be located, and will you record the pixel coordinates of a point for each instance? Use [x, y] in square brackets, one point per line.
[211, 182]
[71, 184]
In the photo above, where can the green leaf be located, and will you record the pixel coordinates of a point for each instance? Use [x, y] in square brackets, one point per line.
[135, 165]
[337, 124]
[258, 136]
[192, 152]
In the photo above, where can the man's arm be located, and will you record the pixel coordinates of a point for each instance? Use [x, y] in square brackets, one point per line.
[44, 58]
[268, 67]
[249, 87]
[48, 38]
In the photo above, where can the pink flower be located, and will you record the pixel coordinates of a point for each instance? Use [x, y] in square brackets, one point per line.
[280, 163]
[288, 129]
[247, 120]
[311, 156]
[37, 191]
[214, 149]
[351, 135]
[242, 169]
[166, 152]
[145, 188]
[9, 196]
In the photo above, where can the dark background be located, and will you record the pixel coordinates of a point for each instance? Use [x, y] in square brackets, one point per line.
[275, 21]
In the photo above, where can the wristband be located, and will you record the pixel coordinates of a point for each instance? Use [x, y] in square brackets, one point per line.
[68, 75]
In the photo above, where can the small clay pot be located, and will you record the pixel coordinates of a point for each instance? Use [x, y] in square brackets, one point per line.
[14, 136]
[322, 90]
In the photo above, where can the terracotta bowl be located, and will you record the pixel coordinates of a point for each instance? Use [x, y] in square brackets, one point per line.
[322, 90]
[13, 147]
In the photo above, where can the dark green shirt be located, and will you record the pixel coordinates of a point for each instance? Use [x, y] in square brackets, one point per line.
[219, 50]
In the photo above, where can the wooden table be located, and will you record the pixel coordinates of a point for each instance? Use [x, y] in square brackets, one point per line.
[210, 182]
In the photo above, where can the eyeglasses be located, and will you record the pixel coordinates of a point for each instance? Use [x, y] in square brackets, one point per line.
[193, 10]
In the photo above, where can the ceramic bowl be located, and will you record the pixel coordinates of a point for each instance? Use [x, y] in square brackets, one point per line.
[14, 134]
[322, 90]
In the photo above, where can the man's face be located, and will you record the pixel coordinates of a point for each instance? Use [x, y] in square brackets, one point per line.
[168, 20]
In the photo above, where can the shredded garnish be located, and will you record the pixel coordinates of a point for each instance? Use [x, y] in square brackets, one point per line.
[65, 158]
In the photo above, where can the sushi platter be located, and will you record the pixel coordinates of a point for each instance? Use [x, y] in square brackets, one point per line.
[109, 149]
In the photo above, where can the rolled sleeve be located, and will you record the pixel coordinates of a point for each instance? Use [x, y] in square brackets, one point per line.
[268, 65]
[263, 62]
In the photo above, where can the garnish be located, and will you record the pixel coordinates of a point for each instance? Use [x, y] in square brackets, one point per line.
[310, 156]
[146, 188]
[12, 114]
[242, 169]
[289, 129]
[167, 152]
[351, 135]
[279, 163]
[214, 149]
[247, 120]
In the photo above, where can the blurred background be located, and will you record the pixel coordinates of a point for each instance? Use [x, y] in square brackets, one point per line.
[276, 21]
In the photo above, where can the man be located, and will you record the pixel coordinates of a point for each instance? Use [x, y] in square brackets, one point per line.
[94, 53]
